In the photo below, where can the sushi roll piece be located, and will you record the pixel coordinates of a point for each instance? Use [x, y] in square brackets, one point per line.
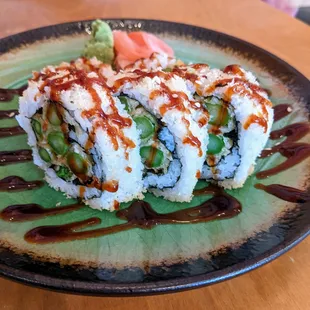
[155, 62]
[82, 136]
[173, 131]
[241, 117]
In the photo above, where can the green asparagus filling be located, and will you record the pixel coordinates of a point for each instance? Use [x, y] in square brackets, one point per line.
[153, 152]
[221, 124]
[76, 163]
[152, 156]
[36, 126]
[124, 100]
[64, 173]
[56, 140]
[215, 144]
[145, 126]
[44, 155]
[53, 115]
[167, 69]
[68, 160]
[219, 115]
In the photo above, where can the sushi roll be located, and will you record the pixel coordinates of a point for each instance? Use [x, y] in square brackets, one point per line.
[173, 131]
[82, 136]
[155, 62]
[241, 117]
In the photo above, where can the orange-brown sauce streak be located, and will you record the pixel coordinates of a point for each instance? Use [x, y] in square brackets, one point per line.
[149, 161]
[175, 101]
[128, 169]
[190, 138]
[234, 69]
[251, 92]
[45, 125]
[89, 144]
[211, 161]
[220, 119]
[106, 121]
[82, 191]
[203, 121]
[139, 75]
[110, 186]
[254, 119]
[116, 205]
[199, 66]
[112, 123]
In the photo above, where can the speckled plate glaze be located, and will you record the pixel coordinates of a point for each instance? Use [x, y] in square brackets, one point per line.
[168, 257]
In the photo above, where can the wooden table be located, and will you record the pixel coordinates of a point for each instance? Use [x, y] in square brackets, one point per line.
[284, 283]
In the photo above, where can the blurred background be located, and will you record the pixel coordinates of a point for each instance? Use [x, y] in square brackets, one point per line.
[304, 14]
[297, 8]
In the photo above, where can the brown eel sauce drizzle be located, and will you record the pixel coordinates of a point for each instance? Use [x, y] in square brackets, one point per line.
[11, 157]
[8, 114]
[139, 214]
[15, 183]
[285, 192]
[11, 131]
[31, 211]
[294, 152]
[281, 110]
[8, 94]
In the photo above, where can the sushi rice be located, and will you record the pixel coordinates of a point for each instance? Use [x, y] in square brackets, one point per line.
[106, 172]
[176, 122]
[241, 117]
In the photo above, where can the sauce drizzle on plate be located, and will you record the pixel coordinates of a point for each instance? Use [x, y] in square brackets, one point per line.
[141, 215]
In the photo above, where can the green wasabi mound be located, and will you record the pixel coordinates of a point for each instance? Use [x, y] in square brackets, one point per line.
[101, 43]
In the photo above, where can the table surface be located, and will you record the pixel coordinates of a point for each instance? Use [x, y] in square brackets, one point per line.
[282, 284]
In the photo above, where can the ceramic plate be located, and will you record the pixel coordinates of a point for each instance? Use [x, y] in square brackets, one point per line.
[167, 257]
